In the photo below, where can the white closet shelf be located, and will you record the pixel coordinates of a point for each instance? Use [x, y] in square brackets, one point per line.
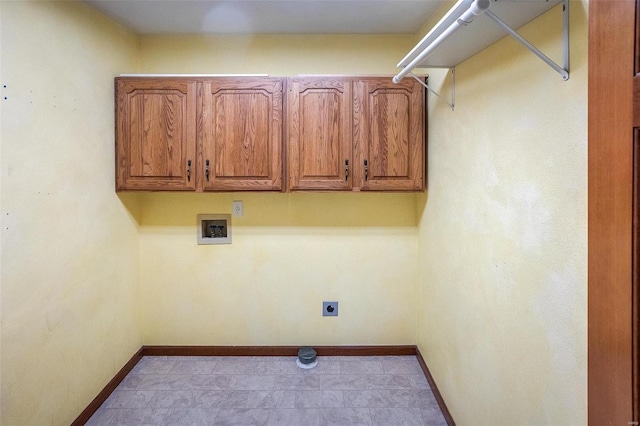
[466, 34]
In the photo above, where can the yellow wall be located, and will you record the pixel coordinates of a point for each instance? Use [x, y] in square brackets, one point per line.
[290, 251]
[503, 277]
[487, 273]
[69, 293]
[278, 55]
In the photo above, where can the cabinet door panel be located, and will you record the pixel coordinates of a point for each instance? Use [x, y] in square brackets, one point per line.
[390, 135]
[319, 136]
[389, 130]
[241, 135]
[155, 134]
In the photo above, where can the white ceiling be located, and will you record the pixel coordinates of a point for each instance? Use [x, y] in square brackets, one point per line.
[270, 16]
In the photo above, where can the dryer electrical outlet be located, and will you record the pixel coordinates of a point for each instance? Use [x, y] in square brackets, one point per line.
[329, 309]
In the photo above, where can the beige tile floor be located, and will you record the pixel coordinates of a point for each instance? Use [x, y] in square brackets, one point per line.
[380, 390]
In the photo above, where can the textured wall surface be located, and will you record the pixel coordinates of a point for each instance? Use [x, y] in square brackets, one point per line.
[289, 253]
[277, 55]
[486, 272]
[70, 261]
[502, 251]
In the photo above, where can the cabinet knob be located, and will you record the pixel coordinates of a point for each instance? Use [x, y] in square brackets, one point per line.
[206, 170]
[189, 170]
[346, 169]
[366, 170]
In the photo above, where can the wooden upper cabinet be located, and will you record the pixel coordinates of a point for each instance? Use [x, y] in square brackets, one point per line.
[155, 134]
[389, 127]
[355, 133]
[240, 134]
[319, 137]
[227, 134]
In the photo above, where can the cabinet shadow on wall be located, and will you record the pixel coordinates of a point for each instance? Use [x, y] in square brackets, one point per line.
[354, 210]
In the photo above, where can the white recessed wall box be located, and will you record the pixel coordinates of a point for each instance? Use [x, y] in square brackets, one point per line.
[214, 229]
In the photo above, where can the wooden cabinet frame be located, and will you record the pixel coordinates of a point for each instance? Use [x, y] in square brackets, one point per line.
[229, 133]
[355, 134]
[165, 125]
[162, 111]
[319, 138]
[240, 134]
[389, 135]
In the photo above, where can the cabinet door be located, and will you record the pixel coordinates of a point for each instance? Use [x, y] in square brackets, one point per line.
[240, 135]
[319, 155]
[389, 134]
[155, 134]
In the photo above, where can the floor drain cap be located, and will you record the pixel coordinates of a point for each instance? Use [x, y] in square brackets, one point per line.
[307, 357]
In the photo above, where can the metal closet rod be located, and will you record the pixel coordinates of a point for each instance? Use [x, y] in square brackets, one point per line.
[479, 7]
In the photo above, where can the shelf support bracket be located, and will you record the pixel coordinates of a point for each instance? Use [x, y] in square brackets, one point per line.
[453, 92]
[564, 70]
